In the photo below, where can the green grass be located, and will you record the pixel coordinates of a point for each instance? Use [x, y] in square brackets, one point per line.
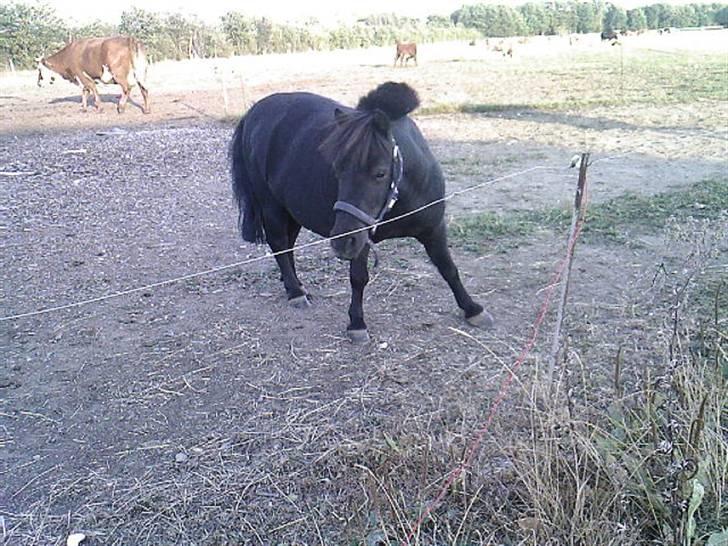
[486, 108]
[614, 220]
[474, 108]
[471, 232]
[610, 77]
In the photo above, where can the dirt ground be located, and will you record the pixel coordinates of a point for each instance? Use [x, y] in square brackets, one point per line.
[207, 411]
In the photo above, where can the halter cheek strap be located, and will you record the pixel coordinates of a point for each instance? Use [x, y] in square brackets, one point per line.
[356, 212]
[396, 173]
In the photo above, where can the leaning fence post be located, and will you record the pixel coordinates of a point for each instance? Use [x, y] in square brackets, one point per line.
[223, 77]
[577, 217]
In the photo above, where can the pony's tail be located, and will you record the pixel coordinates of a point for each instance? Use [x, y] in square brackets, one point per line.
[250, 218]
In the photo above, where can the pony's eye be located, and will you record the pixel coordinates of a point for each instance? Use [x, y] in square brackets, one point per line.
[381, 174]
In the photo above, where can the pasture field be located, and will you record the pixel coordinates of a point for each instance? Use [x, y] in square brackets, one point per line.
[207, 411]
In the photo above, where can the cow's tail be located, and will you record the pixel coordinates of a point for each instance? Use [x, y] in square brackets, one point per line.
[139, 62]
[250, 219]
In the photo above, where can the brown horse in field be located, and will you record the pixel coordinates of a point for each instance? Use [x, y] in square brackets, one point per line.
[405, 52]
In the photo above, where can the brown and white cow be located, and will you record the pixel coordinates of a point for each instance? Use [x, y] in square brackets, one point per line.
[405, 52]
[119, 60]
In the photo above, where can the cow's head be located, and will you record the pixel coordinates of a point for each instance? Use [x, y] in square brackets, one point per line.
[45, 74]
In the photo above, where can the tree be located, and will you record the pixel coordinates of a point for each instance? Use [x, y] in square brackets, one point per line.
[587, 18]
[658, 15]
[536, 18]
[564, 18]
[614, 19]
[439, 21]
[180, 32]
[27, 32]
[497, 21]
[636, 19]
[684, 16]
[95, 29]
[721, 17]
[145, 26]
[263, 36]
[240, 32]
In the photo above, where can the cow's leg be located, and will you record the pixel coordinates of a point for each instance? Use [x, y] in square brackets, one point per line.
[89, 84]
[124, 97]
[145, 96]
[84, 99]
[359, 277]
[435, 244]
[97, 99]
[142, 87]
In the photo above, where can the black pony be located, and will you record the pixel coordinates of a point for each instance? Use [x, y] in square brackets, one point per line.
[299, 159]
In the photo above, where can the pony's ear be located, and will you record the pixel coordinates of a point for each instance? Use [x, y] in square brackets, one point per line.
[339, 116]
[381, 121]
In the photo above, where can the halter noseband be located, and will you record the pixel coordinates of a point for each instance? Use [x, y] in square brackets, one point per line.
[396, 172]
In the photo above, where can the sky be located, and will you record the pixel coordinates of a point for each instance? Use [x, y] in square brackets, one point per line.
[328, 11]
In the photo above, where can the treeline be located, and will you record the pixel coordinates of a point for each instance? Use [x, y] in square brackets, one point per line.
[582, 17]
[31, 30]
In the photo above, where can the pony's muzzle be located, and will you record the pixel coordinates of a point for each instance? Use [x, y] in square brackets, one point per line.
[349, 246]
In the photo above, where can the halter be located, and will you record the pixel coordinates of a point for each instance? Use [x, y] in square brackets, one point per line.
[396, 171]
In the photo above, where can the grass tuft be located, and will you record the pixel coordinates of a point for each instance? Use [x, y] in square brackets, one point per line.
[615, 220]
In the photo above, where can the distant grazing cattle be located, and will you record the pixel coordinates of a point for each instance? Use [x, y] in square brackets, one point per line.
[119, 60]
[405, 52]
[609, 35]
[663, 30]
[506, 51]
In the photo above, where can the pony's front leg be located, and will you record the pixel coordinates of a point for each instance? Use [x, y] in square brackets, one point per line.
[359, 277]
[436, 246]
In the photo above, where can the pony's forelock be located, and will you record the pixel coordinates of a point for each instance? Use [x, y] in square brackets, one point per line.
[353, 139]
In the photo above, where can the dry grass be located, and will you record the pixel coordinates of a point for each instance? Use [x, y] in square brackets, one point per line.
[645, 464]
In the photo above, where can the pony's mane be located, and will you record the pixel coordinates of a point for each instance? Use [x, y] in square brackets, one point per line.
[356, 136]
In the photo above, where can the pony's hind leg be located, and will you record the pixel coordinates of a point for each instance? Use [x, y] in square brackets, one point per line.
[436, 246]
[293, 230]
[280, 232]
[359, 277]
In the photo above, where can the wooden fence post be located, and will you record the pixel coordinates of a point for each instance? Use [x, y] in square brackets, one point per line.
[577, 217]
[223, 77]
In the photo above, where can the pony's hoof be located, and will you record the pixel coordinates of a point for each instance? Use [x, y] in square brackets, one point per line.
[358, 336]
[481, 320]
[300, 302]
